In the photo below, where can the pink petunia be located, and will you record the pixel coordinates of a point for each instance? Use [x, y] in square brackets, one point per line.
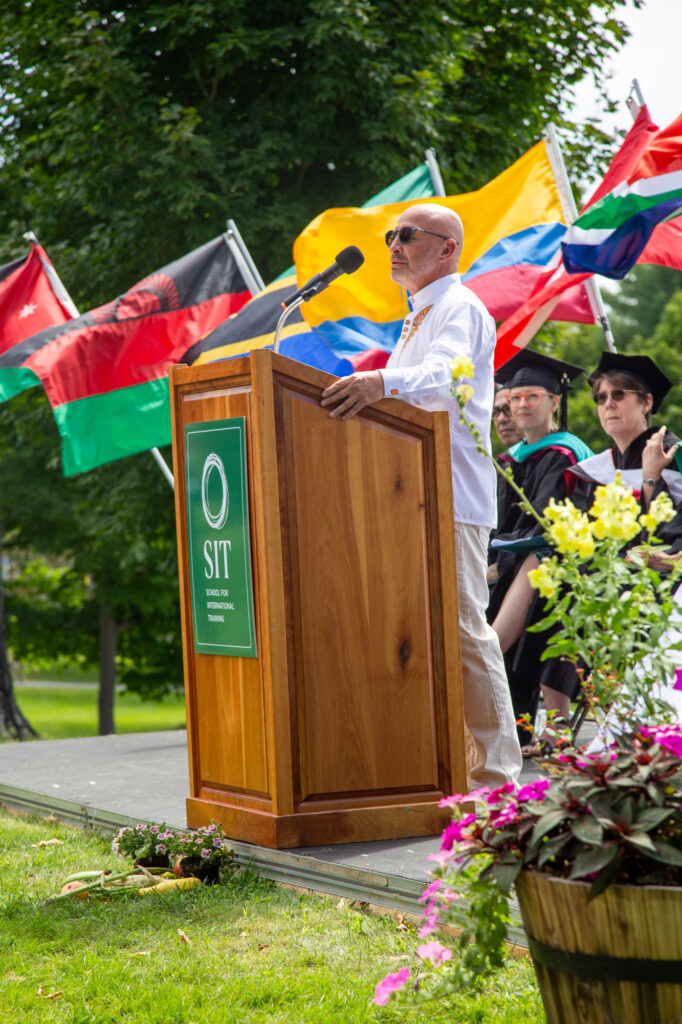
[668, 736]
[434, 953]
[453, 833]
[441, 858]
[431, 890]
[430, 920]
[452, 801]
[496, 795]
[533, 790]
[390, 984]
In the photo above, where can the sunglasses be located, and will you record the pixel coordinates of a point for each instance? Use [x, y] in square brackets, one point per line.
[618, 394]
[532, 397]
[501, 410]
[406, 234]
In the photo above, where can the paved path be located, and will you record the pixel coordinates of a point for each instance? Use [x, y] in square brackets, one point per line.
[145, 776]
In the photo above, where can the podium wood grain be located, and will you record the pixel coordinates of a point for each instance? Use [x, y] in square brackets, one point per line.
[348, 725]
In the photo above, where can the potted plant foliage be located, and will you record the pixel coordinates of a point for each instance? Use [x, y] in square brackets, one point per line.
[147, 844]
[594, 850]
[200, 852]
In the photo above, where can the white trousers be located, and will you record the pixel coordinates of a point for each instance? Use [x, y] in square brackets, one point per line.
[487, 703]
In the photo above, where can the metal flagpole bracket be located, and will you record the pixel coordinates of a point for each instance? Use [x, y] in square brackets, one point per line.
[434, 171]
[243, 258]
[283, 317]
[635, 99]
[570, 211]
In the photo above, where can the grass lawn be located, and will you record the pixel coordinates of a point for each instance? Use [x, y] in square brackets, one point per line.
[256, 953]
[64, 712]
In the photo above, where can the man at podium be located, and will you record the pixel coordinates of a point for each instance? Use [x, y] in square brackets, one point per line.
[448, 321]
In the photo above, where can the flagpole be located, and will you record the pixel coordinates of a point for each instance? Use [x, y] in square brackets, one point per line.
[60, 291]
[636, 102]
[53, 277]
[243, 258]
[434, 171]
[570, 211]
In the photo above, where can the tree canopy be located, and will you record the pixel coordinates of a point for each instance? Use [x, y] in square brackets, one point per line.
[131, 131]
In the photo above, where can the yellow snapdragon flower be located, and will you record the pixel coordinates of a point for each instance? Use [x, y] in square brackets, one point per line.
[660, 511]
[462, 366]
[465, 392]
[569, 529]
[615, 511]
[542, 579]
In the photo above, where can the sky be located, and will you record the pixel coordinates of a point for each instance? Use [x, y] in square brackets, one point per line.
[652, 56]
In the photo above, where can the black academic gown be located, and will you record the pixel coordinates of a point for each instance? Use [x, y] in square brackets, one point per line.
[542, 476]
[631, 459]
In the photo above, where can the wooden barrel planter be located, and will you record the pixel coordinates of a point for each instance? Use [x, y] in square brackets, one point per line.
[614, 960]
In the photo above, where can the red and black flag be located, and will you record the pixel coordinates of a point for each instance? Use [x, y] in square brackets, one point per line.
[106, 372]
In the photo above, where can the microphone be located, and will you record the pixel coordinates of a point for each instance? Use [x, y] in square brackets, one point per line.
[347, 262]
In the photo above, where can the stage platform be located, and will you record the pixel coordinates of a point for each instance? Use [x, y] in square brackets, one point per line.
[105, 782]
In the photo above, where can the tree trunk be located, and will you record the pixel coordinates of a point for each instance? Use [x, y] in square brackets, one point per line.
[12, 722]
[108, 641]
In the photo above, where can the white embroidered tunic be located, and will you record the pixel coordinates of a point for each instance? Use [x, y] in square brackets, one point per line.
[447, 321]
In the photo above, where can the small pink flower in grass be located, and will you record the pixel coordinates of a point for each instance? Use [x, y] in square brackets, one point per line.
[434, 953]
[391, 983]
[161, 848]
[218, 843]
[205, 853]
[448, 896]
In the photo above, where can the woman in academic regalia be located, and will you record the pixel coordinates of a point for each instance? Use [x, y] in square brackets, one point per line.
[537, 386]
[627, 390]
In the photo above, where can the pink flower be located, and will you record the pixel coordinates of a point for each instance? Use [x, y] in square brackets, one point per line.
[430, 920]
[205, 853]
[452, 801]
[668, 736]
[496, 795]
[434, 952]
[505, 817]
[391, 983]
[453, 833]
[533, 791]
[431, 890]
[448, 896]
[441, 858]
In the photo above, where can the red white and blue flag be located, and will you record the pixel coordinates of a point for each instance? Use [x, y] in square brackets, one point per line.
[639, 192]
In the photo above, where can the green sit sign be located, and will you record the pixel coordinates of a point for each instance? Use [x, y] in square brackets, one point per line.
[219, 538]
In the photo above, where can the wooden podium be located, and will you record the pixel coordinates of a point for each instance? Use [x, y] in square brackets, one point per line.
[347, 724]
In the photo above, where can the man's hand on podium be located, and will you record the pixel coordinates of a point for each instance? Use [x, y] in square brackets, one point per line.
[353, 393]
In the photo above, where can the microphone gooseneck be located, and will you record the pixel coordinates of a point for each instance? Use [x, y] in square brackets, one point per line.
[347, 262]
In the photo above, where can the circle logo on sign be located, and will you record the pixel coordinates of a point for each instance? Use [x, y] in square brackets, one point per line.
[216, 520]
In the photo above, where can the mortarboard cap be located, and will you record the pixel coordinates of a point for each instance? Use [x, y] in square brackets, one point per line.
[643, 368]
[533, 369]
[529, 368]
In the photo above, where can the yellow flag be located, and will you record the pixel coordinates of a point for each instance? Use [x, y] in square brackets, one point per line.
[521, 197]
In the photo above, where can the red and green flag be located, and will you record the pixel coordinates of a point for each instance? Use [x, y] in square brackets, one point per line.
[105, 373]
[28, 302]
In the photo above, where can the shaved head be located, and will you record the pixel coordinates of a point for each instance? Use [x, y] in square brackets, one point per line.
[434, 249]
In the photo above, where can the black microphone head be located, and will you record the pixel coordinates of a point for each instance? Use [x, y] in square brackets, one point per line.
[349, 259]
